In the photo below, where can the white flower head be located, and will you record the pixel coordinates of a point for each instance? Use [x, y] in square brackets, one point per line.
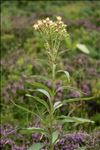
[47, 19]
[44, 21]
[35, 26]
[39, 22]
[59, 18]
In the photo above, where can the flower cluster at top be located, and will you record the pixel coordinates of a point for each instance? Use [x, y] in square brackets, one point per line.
[46, 24]
[52, 32]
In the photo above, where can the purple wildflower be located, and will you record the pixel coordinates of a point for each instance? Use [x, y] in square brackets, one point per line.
[86, 88]
[74, 94]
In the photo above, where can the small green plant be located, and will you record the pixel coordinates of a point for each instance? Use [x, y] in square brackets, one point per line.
[52, 33]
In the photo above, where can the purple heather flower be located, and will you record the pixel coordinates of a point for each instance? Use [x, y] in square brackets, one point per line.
[15, 147]
[86, 88]
[58, 84]
[5, 94]
[49, 84]
[63, 108]
[61, 141]
[36, 137]
[20, 87]
[74, 94]
[71, 141]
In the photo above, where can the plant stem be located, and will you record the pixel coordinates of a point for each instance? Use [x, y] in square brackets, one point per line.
[52, 101]
[53, 79]
[51, 132]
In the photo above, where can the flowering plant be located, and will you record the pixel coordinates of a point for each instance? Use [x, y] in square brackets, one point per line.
[52, 33]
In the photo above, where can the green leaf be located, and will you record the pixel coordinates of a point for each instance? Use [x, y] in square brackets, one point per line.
[33, 129]
[81, 120]
[65, 119]
[77, 99]
[25, 109]
[68, 42]
[69, 88]
[41, 86]
[36, 146]
[44, 92]
[57, 105]
[55, 136]
[39, 100]
[66, 73]
[82, 148]
[83, 48]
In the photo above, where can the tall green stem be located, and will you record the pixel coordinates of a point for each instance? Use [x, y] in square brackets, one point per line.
[53, 78]
[52, 101]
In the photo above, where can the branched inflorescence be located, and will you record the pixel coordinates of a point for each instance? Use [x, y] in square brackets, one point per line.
[52, 32]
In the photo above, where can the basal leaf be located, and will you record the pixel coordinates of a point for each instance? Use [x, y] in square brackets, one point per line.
[36, 146]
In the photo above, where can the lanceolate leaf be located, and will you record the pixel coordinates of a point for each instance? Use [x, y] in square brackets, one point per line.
[36, 146]
[39, 100]
[33, 129]
[66, 73]
[69, 43]
[82, 48]
[44, 92]
[25, 109]
[41, 86]
[55, 136]
[65, 119]
[81, 120]
[77, 99]
[69, 88]
[57, 105]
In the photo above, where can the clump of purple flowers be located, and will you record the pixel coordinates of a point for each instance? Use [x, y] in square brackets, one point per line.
[74, 94]
[93, 143]
[36, 137]
[12, 88]
[86, 88]
[8, 139]
[12, 140]
[71, 141]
